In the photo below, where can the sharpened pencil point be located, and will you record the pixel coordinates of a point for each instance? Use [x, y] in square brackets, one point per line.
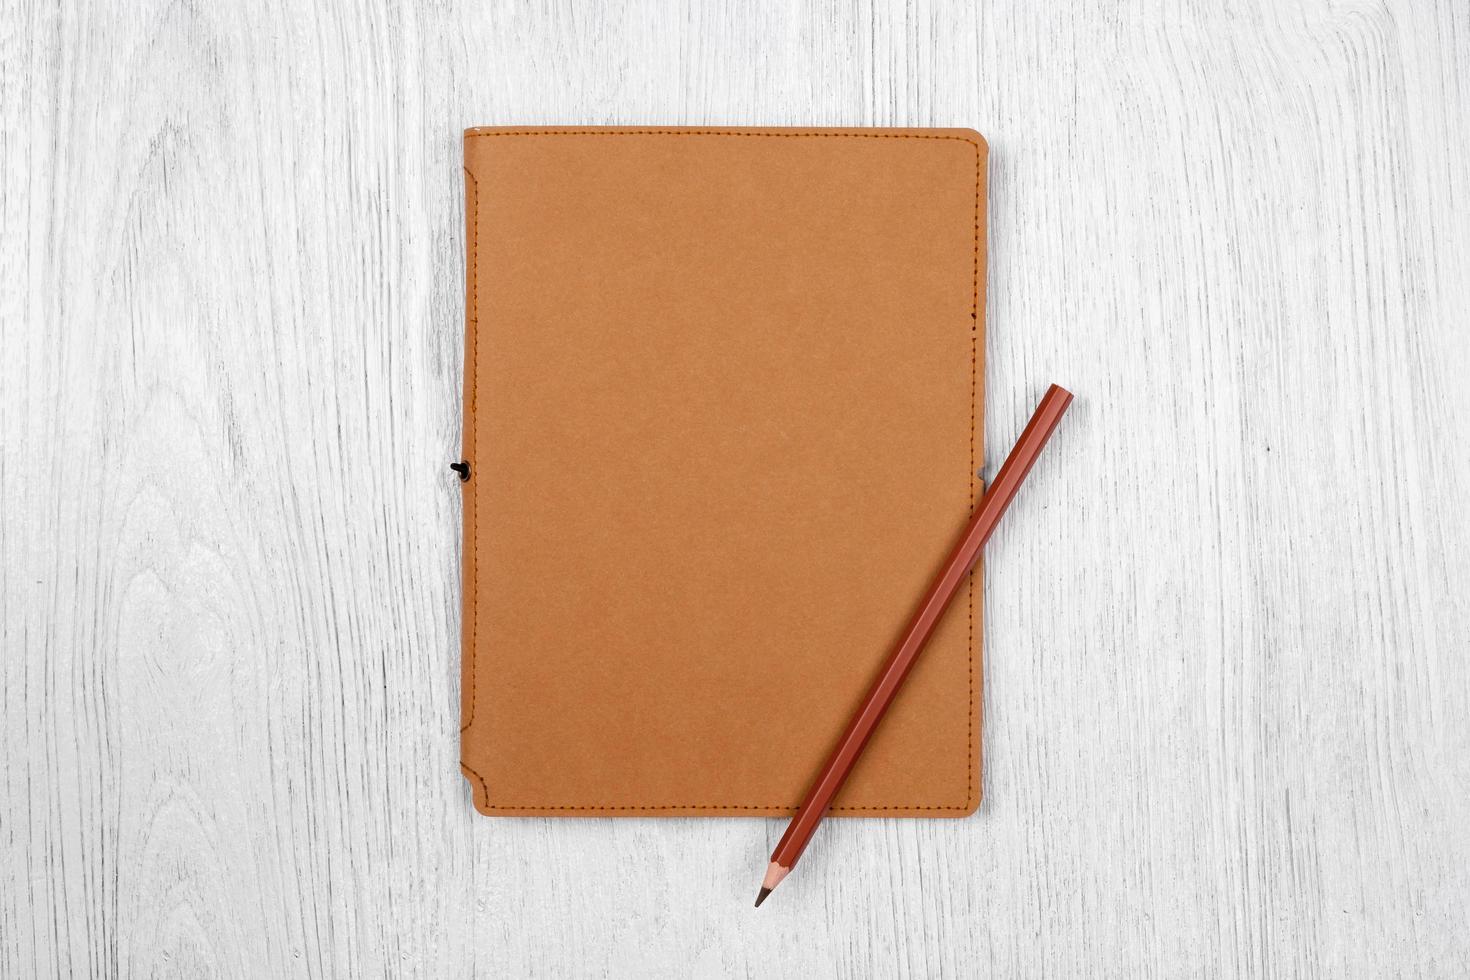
[761, 897]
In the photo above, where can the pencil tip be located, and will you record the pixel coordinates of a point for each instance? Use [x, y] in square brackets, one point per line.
[761, 897]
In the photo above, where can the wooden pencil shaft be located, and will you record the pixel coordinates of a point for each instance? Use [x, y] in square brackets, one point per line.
[921, 627]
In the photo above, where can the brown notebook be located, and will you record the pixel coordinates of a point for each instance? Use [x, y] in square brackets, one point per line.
[723, 395]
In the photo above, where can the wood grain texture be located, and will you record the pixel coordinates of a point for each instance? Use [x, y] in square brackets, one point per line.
[1227, 678]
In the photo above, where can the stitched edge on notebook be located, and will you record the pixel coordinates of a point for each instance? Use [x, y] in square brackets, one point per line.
[472, 314]
[970, 760]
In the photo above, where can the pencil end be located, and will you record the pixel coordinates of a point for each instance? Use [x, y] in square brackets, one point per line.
[774, 874]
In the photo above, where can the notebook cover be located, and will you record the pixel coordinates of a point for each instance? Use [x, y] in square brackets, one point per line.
[723, 394]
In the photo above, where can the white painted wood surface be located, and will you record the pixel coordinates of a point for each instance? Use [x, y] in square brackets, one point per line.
[1227, 696]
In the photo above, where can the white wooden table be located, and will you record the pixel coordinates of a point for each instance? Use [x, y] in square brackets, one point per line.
[1227, 703]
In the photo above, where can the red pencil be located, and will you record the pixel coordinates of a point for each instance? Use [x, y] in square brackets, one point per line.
[997, 498]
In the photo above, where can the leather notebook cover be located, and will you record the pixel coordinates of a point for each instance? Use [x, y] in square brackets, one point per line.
[723, 396]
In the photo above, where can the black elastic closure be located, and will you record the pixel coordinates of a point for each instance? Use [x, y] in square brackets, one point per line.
[463, 469]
